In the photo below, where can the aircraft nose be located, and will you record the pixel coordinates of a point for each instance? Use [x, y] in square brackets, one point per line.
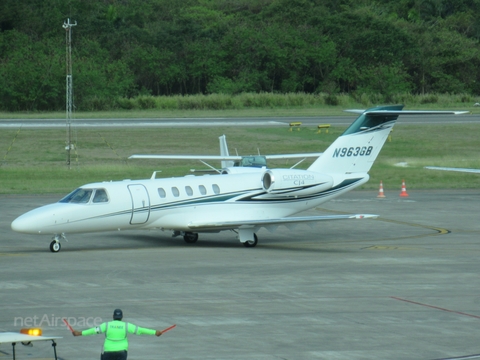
[42, 220]
[34, 221]
[24, 224]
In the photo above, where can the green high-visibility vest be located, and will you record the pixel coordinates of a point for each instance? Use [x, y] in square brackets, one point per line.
[116, 333]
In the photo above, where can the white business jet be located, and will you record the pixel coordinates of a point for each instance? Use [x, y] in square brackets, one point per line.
[242, 203]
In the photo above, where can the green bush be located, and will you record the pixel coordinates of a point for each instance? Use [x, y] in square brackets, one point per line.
[167, 102]
[428, 99]
[331, 100]
[125, 104]
[268, 101]
[146, 102]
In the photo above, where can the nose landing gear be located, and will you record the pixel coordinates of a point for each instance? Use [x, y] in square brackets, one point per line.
[55, 245]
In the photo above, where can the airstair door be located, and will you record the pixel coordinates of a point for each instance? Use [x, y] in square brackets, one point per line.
[140, 204]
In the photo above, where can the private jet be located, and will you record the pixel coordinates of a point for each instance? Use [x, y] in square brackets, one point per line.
[240, 202]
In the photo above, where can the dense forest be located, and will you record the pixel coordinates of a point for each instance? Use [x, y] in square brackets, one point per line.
[130, 48]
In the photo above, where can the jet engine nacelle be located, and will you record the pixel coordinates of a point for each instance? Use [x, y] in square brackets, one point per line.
[295, 182]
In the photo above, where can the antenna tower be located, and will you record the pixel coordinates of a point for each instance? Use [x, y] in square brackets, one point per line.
[68, 30]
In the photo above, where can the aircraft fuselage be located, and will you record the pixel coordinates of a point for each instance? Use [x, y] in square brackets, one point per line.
[176, 204]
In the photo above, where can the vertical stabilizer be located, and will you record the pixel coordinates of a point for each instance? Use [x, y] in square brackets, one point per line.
[357, 148]
[224, 152]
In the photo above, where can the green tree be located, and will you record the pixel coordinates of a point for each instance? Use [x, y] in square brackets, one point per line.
[163, 47]
[443, 61]
[31, 73]
[98, 80]
[384, 80]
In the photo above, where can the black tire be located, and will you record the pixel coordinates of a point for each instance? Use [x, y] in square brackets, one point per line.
[251, 243]
[55, 246]
[190, 237]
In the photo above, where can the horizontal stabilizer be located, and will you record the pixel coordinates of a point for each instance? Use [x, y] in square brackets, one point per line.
[465, 170]
[405, 112]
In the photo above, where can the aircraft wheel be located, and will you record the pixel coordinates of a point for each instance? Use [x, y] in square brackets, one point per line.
[251, 243]
[190, 237]
[55, 246]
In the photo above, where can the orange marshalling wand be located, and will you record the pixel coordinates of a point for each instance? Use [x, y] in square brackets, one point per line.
[68, 325]
[168, 329]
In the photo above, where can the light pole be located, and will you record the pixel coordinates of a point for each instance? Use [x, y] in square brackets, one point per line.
[68, 28]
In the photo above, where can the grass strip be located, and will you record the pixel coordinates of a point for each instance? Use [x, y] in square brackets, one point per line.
[35, 163]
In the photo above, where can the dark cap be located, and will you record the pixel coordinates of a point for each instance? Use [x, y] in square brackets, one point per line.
[117, 314]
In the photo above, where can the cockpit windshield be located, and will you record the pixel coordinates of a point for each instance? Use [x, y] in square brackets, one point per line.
[83, 196]
[100, 196]
[252, 161]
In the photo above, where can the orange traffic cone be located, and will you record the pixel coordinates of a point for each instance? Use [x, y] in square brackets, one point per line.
[380, 191]
[404, 190]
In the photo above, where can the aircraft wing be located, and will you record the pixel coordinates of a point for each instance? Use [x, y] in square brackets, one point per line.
[475, 171]
[275, 222]
[221, 157]
[292, 156]
[187, 157]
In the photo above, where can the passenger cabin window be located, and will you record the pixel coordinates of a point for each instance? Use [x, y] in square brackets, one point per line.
[188, 190]
[216, 189]
[175, 192]
[78, 196]
[202, 189]
[100, 196]
[162, 193]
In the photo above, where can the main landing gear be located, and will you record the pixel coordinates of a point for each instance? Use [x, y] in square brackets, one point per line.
[55, 245]
[246, 236]
[190, 237]
[251, 243]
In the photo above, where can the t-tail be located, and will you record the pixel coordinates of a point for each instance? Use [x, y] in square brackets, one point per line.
[349, 159]
[345, 164]
[355, 151]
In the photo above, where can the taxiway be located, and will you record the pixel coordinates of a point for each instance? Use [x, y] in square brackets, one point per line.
[404, 286]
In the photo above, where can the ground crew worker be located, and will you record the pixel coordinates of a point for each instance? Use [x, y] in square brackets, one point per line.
[116, 332]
